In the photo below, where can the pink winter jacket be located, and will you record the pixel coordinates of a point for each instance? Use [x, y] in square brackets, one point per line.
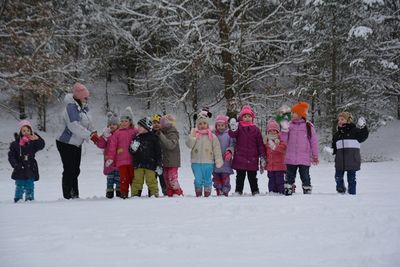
[119, 146]
[300, 149]
[105, 144]
[276, 158]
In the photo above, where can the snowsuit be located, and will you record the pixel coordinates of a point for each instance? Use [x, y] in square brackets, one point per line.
[26, 170]
[78, 128]
[111, 171]
[248, 149]
[302, 146]
[119, 153]
[221, 175]
[147, 159]
[276, 167]
[204, 154]
[171, 159]
[346, 148]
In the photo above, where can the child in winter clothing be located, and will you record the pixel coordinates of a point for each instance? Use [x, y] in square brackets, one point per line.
[156, 129]
[302, 148]
[146, 149]
[276, 166]
[346, 146]
[206, 151]
[110, 171]
[249, 149]
[221, 175]
[22, 158]
[171, 155]
[119, 151]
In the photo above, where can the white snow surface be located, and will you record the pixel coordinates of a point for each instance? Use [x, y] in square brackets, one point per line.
[322, 229]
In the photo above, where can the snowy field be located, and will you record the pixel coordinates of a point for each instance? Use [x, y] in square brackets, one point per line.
[322, 229]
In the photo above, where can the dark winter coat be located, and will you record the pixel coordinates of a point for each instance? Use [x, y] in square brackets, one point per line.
[22, 159]
[171, 154]
[346, 146]
[148, 154]
[249, 148]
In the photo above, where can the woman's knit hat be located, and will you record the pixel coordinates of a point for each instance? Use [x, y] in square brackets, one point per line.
[79, 91]
[247, 110]
[347, 115]
[272, 125]
[167, 121]
[112, 119]
[301, 109]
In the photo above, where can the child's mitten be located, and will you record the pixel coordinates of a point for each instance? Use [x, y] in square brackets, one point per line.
[159, 170]
[135, 145]
[94, 137]
[24, 140]
[361, 122]
[227, 155]
[233, 124]
[107, 132]
[109, 162]
[271, 144]
[284, 126]
[315, 160]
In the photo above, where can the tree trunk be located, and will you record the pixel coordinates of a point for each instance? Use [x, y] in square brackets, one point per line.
[227, 62]
[130, 72]
[398, 107]
[21, 104]
[333, 91]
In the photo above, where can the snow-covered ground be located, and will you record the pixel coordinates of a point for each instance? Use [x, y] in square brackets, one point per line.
[322, 229]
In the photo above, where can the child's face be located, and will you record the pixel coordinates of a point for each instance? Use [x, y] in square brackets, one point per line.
[25, 131]
[202, 125]
[341, 121]
[142, 130]
[273, 132]
[221, 126]
[113, 127]
[156, 125]
[295, 116]
[125, 123]
[247, 118]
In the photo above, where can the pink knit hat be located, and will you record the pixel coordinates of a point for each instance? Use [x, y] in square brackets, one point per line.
[80, 91]
[24, 123]
[247, 110]
[221, 119]
[272, 125]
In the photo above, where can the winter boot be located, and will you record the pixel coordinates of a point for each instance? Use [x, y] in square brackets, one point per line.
[255, 193]
[307, 189]
[199, 192]
[16, 200]
[219, 192]
[117, 193]
[341, 190]
[293, 188]
[110, 193]
[177, 192]
[124, 195]
[288, 190]
[207, 192]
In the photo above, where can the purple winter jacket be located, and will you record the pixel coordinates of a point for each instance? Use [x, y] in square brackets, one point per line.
[248, 149]
[300, 149]
[226, 143]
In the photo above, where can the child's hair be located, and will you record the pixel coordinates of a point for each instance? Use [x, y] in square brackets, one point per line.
[347, 115]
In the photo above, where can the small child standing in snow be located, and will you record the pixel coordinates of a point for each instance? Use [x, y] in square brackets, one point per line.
[119, 151]
[171, 154]
[110, 171]
[22, 158]
[206, 152]
[346, 148]
[249, 149]
[145, 147]
[221, 175]
[156, 118]
[276, 166]
[302, 148]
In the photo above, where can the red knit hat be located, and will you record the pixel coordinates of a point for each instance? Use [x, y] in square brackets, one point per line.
[272, 125]
[301, 109]
[246, 110]
[80, 91]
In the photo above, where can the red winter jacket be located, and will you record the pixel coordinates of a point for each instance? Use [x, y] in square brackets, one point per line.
[276, 158]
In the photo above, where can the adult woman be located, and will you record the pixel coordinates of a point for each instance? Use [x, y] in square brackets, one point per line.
[78, 128]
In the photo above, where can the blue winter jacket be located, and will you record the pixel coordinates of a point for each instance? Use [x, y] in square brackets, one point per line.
[227, 143]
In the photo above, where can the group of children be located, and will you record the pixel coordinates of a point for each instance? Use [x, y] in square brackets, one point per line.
[138, 154]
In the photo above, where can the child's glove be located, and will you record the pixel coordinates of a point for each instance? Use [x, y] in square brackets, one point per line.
[271, 144]
[361, 122]
[159, 170]
[218, 164]
[227, 155]
[135, 145]
[109, 162]
[23, 140]
[263, 163]
[314, 160]
[94, 137]
[233, 124]
[284, 126]
[107, 132]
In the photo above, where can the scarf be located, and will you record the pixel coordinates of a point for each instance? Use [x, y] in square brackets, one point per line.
[246, 123]
[271, 136]
[208, 132]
